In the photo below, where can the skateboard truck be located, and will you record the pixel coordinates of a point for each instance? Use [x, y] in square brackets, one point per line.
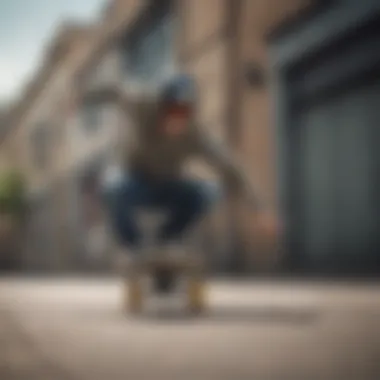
[165, 274]
[164, 280]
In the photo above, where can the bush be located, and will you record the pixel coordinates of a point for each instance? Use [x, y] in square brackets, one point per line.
[12, 194]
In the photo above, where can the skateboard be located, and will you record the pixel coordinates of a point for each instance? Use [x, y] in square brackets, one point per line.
[165, 274]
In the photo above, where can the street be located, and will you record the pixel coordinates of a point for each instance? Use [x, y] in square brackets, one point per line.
[53, 329]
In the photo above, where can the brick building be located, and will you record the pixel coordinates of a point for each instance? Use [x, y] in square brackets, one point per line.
[299, 46]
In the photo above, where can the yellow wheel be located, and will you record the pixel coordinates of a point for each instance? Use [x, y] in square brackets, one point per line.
[196, 294]
[134, 295]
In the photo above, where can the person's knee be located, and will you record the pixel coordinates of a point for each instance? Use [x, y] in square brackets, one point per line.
[118, 193]
[111, 194]
[212, 194]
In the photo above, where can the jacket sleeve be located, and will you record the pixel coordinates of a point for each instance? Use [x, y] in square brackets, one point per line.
[218, 157]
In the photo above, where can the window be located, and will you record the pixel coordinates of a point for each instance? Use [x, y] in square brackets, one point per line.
[148, 49]
[93, 116]
[40, 146]
[104, 73]
[90, 195]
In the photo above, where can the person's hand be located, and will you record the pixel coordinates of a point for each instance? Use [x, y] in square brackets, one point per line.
[268, 224]
[268, 230]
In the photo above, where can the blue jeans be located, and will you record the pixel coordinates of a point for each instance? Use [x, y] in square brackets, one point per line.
[184, 201]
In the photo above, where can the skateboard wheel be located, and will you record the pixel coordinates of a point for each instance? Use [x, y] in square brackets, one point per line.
[196, 295]
[134, 295]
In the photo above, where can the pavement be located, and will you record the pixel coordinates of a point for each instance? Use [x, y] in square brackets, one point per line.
[53, 329]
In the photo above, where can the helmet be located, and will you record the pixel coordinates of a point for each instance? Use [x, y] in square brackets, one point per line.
[181, 88]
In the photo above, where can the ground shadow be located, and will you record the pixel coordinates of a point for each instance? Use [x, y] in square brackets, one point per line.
[265, 314]
[236, 315]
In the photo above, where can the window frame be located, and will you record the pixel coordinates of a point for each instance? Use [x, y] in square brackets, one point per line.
[39, 141]
[155, 21]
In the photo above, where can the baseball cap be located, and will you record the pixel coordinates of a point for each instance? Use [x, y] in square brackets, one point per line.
[179, 89]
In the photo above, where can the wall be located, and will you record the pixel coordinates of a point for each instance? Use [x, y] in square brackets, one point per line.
[49, 101]
[202, 52]
[83, 143]
[206, 52]
[257, 142]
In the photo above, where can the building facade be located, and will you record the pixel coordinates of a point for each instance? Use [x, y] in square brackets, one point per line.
[36, 136]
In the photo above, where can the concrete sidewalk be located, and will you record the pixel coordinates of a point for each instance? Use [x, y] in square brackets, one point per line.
[20, 354]
[75, 329]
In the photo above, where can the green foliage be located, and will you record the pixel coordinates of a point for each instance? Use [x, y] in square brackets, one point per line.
[12, 193]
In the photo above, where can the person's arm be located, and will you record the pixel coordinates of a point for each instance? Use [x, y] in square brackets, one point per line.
[138, 112]
[218, 156]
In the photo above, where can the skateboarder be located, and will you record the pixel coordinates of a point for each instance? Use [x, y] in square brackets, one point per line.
[162, 135]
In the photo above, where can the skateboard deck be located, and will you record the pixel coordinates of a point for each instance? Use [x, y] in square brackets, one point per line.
[165, 273]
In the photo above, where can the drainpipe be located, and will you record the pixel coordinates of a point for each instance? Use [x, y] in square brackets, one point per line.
[234, 123]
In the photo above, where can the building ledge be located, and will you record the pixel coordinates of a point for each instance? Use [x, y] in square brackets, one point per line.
[100, 94]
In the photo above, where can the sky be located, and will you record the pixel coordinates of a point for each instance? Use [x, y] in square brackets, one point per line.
[26, 26]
